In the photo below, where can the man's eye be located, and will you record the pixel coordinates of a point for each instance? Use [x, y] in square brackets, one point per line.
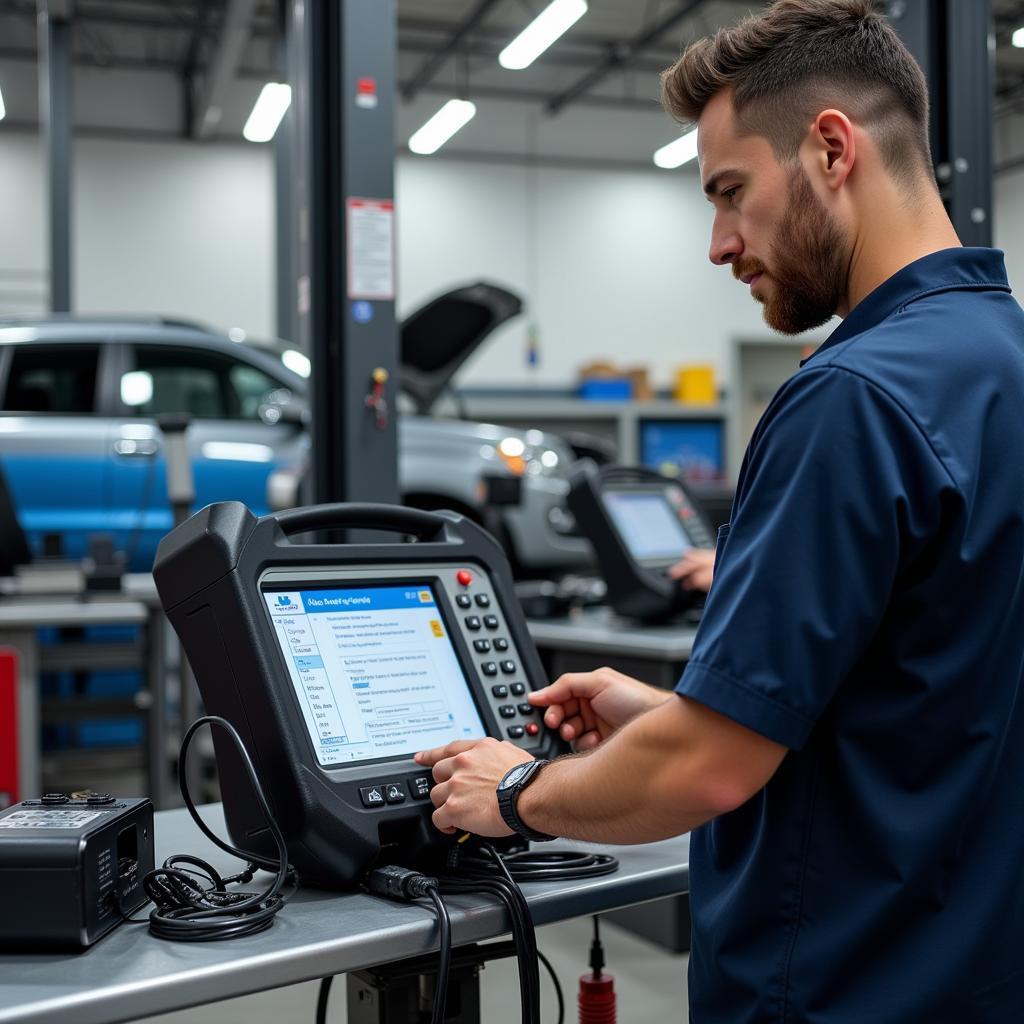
[730, 192]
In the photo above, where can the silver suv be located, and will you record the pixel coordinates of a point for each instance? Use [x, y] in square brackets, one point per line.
[82, 453]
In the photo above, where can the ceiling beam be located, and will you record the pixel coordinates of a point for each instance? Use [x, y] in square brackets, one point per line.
[234, 34]
[621, 56]
[433, 63]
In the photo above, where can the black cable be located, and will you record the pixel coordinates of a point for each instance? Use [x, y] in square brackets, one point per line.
[444, 923]
[547, 865]
[192, 904]
[524, 909]
[405, 884]
[558, 987]
[321, 1000]
[522, 933]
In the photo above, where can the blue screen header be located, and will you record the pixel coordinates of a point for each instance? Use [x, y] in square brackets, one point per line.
[355, 600]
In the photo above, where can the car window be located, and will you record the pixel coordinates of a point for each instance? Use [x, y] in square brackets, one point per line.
[251, 387]
[52, 379]
[185, 380]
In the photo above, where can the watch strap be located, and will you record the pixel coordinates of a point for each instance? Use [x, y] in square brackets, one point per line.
[508, 798]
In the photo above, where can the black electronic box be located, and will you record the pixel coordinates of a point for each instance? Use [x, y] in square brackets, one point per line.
[70, 867]
[639, 524]
[336, 662]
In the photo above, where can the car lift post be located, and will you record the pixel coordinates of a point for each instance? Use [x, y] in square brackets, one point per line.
[341, 64]
[954, 43]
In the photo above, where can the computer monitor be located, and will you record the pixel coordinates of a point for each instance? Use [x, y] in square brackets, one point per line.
[648, 524]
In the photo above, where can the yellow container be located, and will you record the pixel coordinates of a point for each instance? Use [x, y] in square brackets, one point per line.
[695, 385]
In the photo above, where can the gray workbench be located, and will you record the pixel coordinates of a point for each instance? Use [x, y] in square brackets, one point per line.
[591, 637]
[129, 974]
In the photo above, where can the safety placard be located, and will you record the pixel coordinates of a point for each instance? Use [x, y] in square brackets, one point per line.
[370, 232]
[49, 817]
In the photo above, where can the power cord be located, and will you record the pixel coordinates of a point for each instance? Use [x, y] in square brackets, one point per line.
[546, 865]
[191, 900]
[404, 884]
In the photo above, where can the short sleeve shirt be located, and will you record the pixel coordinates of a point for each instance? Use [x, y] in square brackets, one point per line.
[867, 612]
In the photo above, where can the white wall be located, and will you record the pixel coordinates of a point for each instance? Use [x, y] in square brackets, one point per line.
[157, 227]
[612, 263]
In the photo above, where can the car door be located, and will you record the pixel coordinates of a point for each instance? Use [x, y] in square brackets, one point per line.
[53, 445]
[232, 449]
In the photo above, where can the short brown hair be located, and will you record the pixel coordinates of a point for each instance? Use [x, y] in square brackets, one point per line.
[799, 57]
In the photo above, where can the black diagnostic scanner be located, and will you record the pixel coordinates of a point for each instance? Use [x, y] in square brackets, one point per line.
[639, 524]
[337, 662]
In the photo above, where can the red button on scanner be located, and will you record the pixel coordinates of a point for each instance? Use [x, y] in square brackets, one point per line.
[532, 728]
[465, 577]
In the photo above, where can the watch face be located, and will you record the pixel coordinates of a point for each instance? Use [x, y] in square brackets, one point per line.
[515, 775]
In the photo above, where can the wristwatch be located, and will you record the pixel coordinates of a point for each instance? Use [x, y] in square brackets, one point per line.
[514, 782]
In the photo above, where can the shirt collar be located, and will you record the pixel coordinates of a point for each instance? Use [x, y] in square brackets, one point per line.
[946, 270]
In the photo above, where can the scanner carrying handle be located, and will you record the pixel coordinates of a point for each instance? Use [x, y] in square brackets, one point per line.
[361, 516]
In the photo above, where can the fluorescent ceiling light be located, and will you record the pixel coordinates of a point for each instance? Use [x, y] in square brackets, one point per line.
[3, 109]
[442, 126]
[556, 19]
[266, 115]
[1017, 39]
[677, 153]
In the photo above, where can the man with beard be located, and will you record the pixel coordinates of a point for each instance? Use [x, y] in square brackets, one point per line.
[847, 740]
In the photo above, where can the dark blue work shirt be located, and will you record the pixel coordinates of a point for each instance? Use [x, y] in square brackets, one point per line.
[868, 613]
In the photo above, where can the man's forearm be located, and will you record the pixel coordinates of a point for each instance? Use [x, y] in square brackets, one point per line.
[649, 781]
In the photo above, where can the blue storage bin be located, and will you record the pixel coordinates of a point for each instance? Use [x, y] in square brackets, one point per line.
[606, 389]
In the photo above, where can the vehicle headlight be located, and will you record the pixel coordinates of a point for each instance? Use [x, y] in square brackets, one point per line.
[521, 458]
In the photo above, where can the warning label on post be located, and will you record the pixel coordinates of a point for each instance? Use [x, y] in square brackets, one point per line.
[371, 248]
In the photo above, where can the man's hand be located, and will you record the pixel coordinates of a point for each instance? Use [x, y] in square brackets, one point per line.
[467, 772]
[587, 707]
[695, 569]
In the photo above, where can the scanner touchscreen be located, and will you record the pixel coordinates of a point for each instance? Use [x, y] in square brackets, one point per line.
[648, 525]
[374, 670]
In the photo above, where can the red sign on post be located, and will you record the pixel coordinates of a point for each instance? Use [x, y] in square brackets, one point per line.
[8, 727]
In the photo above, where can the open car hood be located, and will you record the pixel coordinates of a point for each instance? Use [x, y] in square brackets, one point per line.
[440, 336]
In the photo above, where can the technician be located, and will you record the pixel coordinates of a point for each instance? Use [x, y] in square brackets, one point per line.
[847, 741]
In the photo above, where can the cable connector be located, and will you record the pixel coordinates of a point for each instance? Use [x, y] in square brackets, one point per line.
[597, 960]
[399, 883]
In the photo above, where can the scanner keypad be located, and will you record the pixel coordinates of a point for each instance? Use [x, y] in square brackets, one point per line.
[485, 631]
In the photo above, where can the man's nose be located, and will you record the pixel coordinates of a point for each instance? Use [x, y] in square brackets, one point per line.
[726, 247]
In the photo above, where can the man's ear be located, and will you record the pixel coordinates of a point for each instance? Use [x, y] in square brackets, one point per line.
[833, 147]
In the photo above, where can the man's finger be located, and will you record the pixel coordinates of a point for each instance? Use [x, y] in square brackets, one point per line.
[587, 741]
[571, 728]
[444, 769]
[557, 713]
[441, 821]
[439, 794]
[565, 687]
[431, 757]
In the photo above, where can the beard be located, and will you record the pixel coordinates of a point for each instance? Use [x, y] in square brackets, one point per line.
[808, 263]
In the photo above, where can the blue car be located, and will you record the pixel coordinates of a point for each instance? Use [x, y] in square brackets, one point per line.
[83, 454]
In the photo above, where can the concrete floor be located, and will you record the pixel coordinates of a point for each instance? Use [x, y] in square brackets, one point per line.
[649, 983]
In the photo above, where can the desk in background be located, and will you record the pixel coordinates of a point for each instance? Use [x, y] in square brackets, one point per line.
[22, 615]
[593, 637]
